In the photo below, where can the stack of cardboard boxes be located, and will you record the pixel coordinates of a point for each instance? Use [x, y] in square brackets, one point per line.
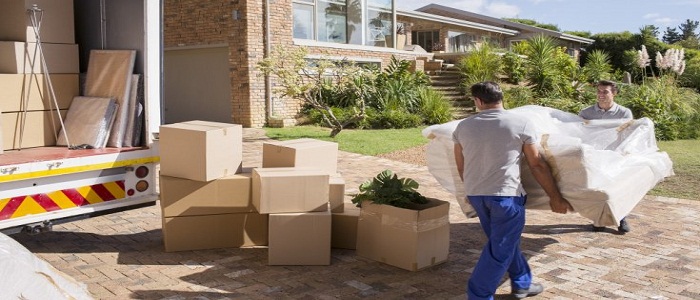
[208, 201]
[205, 196]
[25, 100]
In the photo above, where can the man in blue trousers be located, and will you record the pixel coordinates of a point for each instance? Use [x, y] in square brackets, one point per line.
[489, 147]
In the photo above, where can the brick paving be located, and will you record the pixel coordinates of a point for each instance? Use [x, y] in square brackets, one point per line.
[120, 256]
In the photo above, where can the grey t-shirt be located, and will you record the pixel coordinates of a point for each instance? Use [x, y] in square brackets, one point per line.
[594, 112]
[492, 145]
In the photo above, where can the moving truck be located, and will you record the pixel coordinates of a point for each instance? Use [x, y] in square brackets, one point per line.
[46, 185]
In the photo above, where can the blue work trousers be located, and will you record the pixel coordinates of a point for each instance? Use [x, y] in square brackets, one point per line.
[503, 220]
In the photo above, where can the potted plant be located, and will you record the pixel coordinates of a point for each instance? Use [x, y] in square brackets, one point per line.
[387, 188]
[438, 47]
[400, 36]
[399, 226]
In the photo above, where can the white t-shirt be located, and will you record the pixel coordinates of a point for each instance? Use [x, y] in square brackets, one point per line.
[492, 145]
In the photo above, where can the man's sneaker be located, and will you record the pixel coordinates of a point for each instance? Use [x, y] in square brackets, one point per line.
[599, 229]
[624, 227]
[535, 288]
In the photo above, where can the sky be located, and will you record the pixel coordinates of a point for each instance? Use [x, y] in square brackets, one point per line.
[594, 16]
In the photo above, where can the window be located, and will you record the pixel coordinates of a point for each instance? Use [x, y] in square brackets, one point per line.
[429, 40]
[460, 41]
[360, 22]
[303, 21]
[332, 21]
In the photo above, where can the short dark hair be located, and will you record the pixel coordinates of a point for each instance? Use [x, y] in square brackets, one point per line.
[611, 84]
[488, 91]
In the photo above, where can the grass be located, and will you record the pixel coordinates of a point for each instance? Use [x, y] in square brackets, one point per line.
[366, 142]
[684, 154]
[686, 164]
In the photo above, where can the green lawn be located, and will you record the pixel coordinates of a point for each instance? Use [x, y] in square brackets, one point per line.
[684, 153]
[367, 142]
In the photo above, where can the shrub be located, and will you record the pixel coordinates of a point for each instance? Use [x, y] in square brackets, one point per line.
[392, 118]
[435, 109]
[480, 65]
[513, 67]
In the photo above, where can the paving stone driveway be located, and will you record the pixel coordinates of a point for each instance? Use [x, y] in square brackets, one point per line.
[120, 256]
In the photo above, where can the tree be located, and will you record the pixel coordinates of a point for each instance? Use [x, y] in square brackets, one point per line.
[671, 36]
[649, 31]
[688, 29]
[583, 34]
[534, 23]
[302, 79]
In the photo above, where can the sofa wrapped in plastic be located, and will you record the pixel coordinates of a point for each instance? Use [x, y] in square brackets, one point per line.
[603, 167]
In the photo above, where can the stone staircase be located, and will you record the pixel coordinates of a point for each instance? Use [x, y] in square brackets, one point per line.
[447, 82]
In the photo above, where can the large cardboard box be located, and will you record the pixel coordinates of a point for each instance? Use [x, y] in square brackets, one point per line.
[200, 150]
[20, 92]
[306, 152]
[19, 58]
[405, 238]
[344, 227]
[214, 231]
[185, 197]
[300, 239]
[290, 190]
[57, 22]
[336, 193]
[40, 128]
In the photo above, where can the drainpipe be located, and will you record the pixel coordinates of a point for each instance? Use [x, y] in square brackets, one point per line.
[268, 80]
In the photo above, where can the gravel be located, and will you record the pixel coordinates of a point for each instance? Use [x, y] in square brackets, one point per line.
[415, 155]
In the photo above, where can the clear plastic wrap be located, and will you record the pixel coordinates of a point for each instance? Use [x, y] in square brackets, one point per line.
[603, 167]
[25, 276]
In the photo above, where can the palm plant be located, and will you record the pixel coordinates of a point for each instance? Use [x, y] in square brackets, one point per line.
[480, 65]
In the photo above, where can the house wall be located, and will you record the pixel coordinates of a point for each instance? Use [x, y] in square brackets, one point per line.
[240, 25]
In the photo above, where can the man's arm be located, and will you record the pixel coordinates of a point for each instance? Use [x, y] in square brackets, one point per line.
[459, 159]
[543, 175]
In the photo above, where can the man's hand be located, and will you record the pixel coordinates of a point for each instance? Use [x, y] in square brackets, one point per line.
[560, 205]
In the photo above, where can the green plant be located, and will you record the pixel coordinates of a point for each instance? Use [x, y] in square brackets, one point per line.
[597, 66]
[387, 188]
[392, 118]
[513, 67]
[480, 65]
[435, 109]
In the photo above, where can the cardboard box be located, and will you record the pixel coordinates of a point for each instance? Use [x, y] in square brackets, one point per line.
[336, 193]
[300, 239]
[200, 150]
[344, 227]
[214, 231]
[19, 58]
[20, 92]
[290, 190]
[309, 153]
[184, 197]
[57, 21]
[405, 238]
[40, 128]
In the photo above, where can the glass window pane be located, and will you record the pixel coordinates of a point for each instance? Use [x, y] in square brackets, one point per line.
[332, 22]
[380, 28]
[303, 21]
[386, 4]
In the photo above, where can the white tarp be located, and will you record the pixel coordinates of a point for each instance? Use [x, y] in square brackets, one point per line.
[25, 276]
[603, 167]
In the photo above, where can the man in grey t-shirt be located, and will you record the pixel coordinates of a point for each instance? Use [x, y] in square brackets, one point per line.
[488, 149]
[606, 108]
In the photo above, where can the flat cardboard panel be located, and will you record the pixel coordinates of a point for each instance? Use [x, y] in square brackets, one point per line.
[214, 231]
[20, 58]
[20, 92]
[200, 150]
[307, 153]
[344, 227]
[88, 122]
[300, 239]
[290, 190]
[405, 238]
[57, 24]
[336, 193]
[184, 197]
[40, 129]
[109, 75]
[134, 115]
